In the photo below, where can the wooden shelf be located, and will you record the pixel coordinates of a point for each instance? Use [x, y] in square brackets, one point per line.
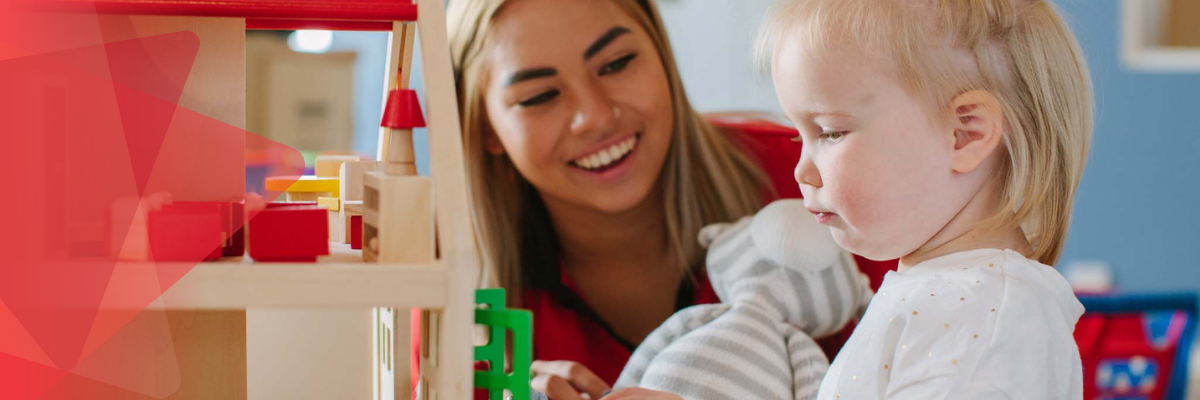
[340, 280]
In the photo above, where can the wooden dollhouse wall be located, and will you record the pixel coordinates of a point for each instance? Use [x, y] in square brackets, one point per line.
[193, 354]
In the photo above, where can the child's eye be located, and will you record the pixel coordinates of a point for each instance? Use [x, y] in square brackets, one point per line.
[833, 137]
[539, 99]
[617, 65]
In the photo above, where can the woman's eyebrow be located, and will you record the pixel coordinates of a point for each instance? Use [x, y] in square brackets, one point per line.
[604, 40]
[534, 73]
[600, 43]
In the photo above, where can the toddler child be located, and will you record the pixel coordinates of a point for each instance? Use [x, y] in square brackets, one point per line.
[950, 134]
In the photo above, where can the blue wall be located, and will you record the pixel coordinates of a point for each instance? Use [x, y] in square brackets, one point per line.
[1138, 207]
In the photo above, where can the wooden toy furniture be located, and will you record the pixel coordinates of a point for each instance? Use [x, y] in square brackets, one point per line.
[350, 179]
[330, 166]
[398, 211]
[400, 228]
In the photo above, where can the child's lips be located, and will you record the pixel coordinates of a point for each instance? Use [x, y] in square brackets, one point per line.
[823, 217]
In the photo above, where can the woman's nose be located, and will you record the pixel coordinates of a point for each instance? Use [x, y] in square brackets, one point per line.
[807, 173]
[595, 112]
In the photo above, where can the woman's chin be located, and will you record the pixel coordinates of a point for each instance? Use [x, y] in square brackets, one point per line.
[618, 204]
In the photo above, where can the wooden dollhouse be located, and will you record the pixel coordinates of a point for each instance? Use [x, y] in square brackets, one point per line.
[417, 252]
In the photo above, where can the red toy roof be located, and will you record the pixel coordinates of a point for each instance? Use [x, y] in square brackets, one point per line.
[259, 14]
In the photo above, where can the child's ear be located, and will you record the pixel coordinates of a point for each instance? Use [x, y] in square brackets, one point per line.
[978, 128]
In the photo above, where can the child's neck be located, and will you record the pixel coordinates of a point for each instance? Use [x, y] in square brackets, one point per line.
[964, 233]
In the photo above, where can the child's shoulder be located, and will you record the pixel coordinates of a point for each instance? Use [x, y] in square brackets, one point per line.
[986, 283]
[978, 319]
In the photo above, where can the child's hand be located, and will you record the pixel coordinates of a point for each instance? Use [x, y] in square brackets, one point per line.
[640, 394]
[566, 380]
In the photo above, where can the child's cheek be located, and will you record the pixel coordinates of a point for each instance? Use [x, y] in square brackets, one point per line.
[861, 190]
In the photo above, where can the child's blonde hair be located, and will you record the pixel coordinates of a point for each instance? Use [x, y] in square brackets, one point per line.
[1021, 51]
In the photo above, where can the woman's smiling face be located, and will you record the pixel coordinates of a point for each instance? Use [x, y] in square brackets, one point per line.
[578, 99]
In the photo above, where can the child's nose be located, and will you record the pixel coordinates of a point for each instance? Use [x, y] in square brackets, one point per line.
[806, 172]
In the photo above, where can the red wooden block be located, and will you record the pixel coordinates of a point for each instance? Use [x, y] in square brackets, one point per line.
[356, 232]
[292, 12]
[236, 245]
[186, 232]
[289, 233]
[403, 110]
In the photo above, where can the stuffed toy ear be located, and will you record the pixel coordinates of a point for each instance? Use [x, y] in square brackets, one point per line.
[710, 233]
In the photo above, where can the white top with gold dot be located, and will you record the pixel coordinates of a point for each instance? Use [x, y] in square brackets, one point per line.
[1000, 328]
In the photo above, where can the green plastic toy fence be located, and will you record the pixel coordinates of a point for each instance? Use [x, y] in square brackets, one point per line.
[500, 320]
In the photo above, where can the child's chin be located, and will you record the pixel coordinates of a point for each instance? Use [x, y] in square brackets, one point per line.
[862, 247]
[844, 240]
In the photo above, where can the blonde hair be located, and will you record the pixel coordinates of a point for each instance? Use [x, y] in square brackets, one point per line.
[1021, 51]
[705, 179]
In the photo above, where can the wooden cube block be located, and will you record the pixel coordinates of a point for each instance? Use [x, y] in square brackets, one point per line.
[355, 232]
[289, 233]
[350, 178]
[397, 218]
[187, 231]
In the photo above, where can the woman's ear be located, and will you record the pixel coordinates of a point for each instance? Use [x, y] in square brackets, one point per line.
[978, 129]
[492, 143]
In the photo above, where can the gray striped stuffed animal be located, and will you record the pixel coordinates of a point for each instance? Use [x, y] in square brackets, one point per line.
[783, 281]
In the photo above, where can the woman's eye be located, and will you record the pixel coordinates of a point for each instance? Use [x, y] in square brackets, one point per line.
[539, 99]
[797, 139]
[617, 65]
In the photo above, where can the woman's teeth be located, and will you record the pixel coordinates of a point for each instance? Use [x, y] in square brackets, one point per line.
[608, 156]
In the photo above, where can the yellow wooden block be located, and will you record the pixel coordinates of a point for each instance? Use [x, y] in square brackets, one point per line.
[308, 197]
[329, 203]
[398, 218]
[304, 184]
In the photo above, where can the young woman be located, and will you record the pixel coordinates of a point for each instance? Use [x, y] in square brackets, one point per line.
[591, 175]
